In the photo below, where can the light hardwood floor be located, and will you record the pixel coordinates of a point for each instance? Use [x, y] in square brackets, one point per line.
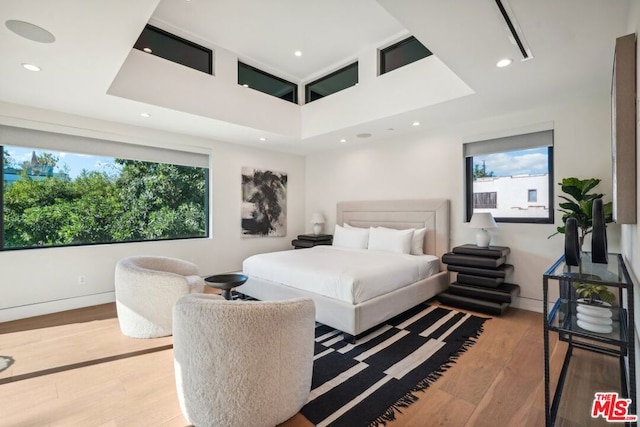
[76, 368]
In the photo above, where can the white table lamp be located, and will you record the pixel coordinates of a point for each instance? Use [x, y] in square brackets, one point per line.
[317, 219]
[482, 221]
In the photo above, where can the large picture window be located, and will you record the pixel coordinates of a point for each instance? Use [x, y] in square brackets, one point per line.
[60, 198]
[511, 177]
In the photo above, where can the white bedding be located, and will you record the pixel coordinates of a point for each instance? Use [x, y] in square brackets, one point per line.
[351, 275]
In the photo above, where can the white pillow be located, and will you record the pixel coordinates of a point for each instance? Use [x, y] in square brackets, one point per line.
[390, 240]
[356, 238]
[417, 244]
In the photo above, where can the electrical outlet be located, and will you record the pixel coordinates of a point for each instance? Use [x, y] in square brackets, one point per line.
[82, 280]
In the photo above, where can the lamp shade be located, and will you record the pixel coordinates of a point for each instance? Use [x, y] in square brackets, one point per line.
[482, 220]
[317, 218]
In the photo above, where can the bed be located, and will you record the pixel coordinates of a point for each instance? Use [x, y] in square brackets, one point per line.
[351, 314]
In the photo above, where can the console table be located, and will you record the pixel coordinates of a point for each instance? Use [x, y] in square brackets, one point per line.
[563, 319]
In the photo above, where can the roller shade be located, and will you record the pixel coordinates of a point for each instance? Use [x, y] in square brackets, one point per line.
[31, 138]
[509, 143]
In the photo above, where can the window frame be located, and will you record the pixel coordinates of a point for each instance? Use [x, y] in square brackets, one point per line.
[2, 199]
[307, 89]
[36, 147]
[206, 50]
[264, 73]
[382, 59]
[518, 220]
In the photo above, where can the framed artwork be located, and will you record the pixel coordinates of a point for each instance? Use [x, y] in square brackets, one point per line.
[623, 130]
[264, 203]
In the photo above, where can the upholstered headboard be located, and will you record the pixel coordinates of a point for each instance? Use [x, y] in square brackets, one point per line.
[400, 214]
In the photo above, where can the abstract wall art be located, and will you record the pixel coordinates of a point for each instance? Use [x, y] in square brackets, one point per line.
[264, 203]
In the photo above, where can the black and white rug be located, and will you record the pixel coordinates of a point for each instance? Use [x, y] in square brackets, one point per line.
[365, 384]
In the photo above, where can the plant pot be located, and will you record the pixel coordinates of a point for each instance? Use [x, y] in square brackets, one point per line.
[594, 317]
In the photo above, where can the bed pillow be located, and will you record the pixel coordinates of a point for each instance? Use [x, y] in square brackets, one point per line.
[390, 240]
[417, 244]
[357, 238]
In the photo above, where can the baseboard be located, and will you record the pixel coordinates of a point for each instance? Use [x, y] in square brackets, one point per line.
[527, 304]
[31, 310]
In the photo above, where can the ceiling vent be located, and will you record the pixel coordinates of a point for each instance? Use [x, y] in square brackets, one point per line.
[514, 31]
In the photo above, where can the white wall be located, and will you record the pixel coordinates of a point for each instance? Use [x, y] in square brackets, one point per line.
[38, 281]
[431, 165]
[512, 199]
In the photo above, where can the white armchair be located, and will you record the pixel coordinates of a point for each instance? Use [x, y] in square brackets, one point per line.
[242, 363]
[147, 287]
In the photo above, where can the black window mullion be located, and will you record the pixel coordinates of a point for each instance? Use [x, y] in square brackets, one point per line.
[342, 79]
[469, 186]
[2, 199]
[552, 207]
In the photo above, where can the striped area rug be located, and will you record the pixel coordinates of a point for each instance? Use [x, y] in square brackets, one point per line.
[365, 384]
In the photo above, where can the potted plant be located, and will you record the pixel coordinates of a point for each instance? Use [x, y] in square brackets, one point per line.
[594, 307]
[578, 204]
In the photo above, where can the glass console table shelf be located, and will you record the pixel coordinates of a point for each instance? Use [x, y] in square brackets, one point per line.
[562, 319]
[614, 273]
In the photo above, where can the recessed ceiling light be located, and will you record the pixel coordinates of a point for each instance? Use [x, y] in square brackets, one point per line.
[297, 53]
[147, 49]
[263, 139]
[416, 123]
[343, 140]
[31, 67]
[145, 115]
[30, 31]
[504, 62]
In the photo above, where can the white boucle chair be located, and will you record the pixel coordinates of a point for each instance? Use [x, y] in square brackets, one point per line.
[147, 287]
[242, 363]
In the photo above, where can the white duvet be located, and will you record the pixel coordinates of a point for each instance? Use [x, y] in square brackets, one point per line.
[351, 275]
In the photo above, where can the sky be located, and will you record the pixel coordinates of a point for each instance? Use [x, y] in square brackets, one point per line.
[522, 162]
[76, 162]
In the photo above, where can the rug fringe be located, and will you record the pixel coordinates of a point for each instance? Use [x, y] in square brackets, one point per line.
[410, 398]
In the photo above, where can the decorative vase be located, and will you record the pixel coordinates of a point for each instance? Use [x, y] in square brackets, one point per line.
[571, 243]
[599, 234]
[595, 316]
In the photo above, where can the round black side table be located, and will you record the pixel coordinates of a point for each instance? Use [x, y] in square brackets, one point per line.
[226, 282]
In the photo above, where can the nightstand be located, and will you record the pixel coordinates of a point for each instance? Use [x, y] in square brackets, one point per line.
[481, 279]
[311, 240]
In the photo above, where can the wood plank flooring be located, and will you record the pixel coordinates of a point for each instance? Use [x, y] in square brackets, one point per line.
[107, 379]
